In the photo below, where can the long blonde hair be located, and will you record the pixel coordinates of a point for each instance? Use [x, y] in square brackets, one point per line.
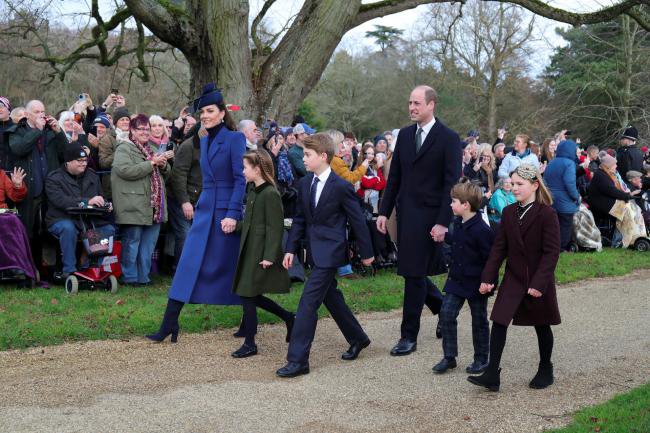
[531, 173]
[485, 149]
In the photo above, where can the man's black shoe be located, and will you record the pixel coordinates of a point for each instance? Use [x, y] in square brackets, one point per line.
[404, 347]
[444, 365]
[354, 350]
[293, 369]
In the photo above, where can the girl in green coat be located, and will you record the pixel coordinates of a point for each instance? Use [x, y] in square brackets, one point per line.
[259, 267]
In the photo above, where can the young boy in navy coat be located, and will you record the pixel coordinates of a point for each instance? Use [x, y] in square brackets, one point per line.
[471, 242]
[326, 203]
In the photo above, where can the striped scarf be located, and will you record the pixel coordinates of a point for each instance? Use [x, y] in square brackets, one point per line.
[157, 193]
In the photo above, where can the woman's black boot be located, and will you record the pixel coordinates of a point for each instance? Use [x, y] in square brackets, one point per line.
[169, 324]
[543, 378]
[490, 379]
[289, 322]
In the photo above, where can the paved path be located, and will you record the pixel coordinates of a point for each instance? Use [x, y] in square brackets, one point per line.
[602, 348]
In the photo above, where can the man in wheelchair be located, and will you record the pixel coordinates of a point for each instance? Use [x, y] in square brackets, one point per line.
[74, 185]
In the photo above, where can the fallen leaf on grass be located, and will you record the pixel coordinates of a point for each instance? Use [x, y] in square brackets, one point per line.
[596, 429]
[119, 302]
[466, 418]
[54, 301]
[593, 419]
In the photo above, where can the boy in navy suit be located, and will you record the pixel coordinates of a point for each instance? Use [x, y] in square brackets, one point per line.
[471, 242]
[326, 203]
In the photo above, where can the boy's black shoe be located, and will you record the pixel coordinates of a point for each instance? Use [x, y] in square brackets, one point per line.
[293, 369]
[404, 347]
[245, 351]
[489, 379]
[476, 367]
[543, 378]
[354, 350]
[444, 365]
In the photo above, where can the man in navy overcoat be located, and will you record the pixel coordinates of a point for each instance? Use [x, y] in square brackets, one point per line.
[425, 166]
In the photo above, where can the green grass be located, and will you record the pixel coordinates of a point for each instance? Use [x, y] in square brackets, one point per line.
[40, 317]
[625, 413]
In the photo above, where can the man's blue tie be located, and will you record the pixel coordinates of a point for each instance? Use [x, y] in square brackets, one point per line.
[312, 192]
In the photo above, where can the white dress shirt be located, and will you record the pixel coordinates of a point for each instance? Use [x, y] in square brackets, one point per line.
[426, 128]
[322, 178]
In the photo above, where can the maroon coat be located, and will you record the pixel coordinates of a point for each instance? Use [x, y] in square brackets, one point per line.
[532, 251]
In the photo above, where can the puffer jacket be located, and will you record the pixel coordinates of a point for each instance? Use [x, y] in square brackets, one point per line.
[560, 178]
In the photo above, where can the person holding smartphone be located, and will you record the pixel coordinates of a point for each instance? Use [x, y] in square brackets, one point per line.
[36, 145]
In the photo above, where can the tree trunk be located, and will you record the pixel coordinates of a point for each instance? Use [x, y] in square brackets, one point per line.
[492, 106]
[628, 56]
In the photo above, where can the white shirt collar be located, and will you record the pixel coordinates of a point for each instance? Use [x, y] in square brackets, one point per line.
[426, 128]
[322, 178]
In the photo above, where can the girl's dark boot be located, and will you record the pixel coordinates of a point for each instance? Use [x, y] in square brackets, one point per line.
[490, 379]
[543, 378]
[169, 324]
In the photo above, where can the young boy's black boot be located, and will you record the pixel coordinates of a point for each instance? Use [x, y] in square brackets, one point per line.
[543, 378]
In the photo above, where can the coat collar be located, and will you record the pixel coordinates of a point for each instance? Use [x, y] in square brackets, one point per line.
[429, 141]
[471, 222]
[529, 220]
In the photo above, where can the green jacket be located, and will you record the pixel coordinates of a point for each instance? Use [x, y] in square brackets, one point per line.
[131, 185]
[261, 239]
[186, 180]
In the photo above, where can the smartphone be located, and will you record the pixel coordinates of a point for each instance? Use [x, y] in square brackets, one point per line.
[115, 91]
[568, 133]
[170, 146]
[77, 118]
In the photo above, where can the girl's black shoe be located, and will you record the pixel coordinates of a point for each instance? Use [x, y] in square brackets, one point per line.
[489, 379]
[543, 378]
[245, 351]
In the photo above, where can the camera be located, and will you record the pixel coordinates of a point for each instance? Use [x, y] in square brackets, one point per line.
[115, 91]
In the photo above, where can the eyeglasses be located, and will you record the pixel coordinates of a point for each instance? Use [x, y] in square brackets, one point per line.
[369, 153]
[82, 160]
[143, 129]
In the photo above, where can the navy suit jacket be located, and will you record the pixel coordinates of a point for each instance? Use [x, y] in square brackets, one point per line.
[325, 229]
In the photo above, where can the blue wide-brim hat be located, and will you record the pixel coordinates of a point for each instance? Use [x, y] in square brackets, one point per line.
[211, 95]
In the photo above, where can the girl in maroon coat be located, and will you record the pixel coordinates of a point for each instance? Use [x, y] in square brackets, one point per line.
[529, 238]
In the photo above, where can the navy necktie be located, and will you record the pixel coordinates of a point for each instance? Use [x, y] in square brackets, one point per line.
[312, 192]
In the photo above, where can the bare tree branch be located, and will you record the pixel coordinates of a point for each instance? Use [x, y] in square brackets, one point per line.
[256, 22]
[369, 11]
[167, 21]
[605, 14]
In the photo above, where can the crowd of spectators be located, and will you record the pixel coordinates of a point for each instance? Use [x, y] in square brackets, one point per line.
[146, 170]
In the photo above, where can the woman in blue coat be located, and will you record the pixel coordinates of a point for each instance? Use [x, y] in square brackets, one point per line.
[560, 178]
[207, 265]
